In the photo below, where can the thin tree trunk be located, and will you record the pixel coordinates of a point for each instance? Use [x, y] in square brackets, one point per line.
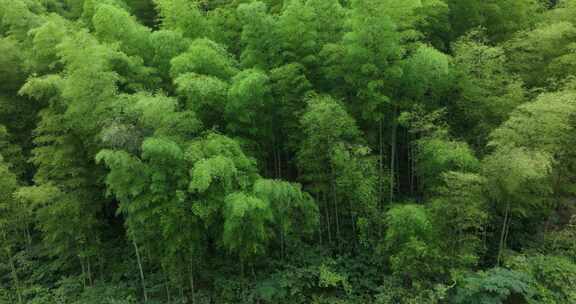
[337, 223]
[485, 236]
[15, 278]
[274, 158]
[148, 253]
[288, 172]
[101, 266]
[412, 163]
[166, 283]
[282, 240]
[192, 287]
[334, 201]
[89, 271]
[381, 163]
[254, 280]
[83, 271]
[137, 251]
[503, 234]
[328, 222]
[353, 222]
[28, 236]
[320, 220]
[393, 157]
[507, 231]
[279, 164]
[381, 171]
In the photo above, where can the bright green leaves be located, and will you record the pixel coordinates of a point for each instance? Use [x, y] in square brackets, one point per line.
[174, 124]
[152, 194]
[289, 86]
[335, 163]
[153, 197]
[149, 177]
[202, 76]
[293, 209]
[328, 22]
[96, 71]
[67, 219]
[501, 18]
[544, 55]
[8, 208]
[488, 91]
[223, 176]
[45, 41]
[248, 99]
[246, 220]
[259, 36]
[448, 174]
[127, 177]
[18, 17]
[356, 180]
[205, 95]
[427, 73]
[249, 217]
[459, 213]
[183, 16]
[410, 241]
[518, 173]
[162, 152]
[219, 162]
[553, 277]
[437, 155]
[544, 124]
[90, 82]
[411, 15]
[532, 158]
[168, 174]
[166, 45]
[217, 168]
[205, 57]
[42, 88]
[113, 24]
[494, 286]
[11, 68]
[372, 47]
[325, 123]
[563, 10]
[367, 59]
[15, 219]
[377, 41]
[530, 142]
[407, 222]
[519, 185]
[131, 176]
[185, 121]
[91, 6]
[298, 34]
[11, 153]
[65, 192]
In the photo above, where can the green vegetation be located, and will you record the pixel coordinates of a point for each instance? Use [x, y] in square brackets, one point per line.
[287, 151]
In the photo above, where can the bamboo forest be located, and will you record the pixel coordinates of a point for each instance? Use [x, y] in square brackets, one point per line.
[288, 151]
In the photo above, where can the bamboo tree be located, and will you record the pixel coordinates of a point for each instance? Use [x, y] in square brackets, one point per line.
[140, 269]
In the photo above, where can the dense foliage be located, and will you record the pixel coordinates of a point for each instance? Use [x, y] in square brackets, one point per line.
[288, 151]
